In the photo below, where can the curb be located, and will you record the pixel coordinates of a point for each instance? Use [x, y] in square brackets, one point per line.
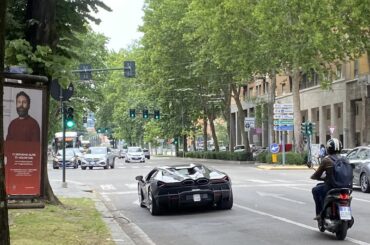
[282, 167]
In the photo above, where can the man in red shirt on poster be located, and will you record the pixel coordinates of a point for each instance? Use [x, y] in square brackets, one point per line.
[25, 127]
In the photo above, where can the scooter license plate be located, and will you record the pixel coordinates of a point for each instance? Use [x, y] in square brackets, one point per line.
[345, 213]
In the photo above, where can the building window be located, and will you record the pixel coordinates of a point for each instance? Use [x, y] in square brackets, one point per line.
[339, 72]
[283, 88]
[250, 92]
[303, 119]
[290, 84]
[327, 114]
[357, 110]
[317, 115]
[356, 68]
[339, 112]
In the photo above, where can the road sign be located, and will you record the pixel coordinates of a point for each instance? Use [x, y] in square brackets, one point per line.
[331, 128]
[284, 128]
[284, 122]
[283, 111]
[249, 122]
[274, 148]
[283, 116]
[283, 106]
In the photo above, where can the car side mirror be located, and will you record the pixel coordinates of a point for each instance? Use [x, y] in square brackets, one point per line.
[139, 178]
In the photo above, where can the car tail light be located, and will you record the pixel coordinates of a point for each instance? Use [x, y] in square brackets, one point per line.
[225, 179]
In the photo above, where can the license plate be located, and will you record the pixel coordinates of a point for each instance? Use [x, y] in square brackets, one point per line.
[345, 213]
[196, 197]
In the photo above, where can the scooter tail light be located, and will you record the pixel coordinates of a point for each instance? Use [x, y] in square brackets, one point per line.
[344, 196]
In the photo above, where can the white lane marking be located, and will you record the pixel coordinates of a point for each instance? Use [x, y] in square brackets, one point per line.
[309, 190]
[106, 198]
[282, 181]
[107, 187]
[267, 185]
[279, 196]
[131, 186]
[361, 200]
[293, 222]
[259, 181]
[119, 193]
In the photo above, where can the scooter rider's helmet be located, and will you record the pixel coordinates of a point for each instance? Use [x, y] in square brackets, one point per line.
[334, 146]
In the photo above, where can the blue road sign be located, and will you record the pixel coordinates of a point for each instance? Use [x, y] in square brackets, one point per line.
[274, 148]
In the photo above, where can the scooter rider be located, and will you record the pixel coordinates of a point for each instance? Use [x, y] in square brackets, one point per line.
[333, 147]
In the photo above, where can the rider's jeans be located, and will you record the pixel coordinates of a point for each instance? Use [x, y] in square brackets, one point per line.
[319, 193]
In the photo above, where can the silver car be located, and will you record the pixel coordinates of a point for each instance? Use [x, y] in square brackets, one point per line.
[359, 158]
[99, 156]
[134, 154]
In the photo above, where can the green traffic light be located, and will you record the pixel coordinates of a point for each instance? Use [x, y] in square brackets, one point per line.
[70, 124]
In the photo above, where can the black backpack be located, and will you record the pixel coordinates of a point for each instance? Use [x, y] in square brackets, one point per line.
[342, 175]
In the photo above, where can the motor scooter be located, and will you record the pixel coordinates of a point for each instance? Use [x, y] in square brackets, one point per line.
[336, 215]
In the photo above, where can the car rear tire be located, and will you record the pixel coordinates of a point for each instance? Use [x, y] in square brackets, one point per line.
[153, 207]
[227, 204]
[90, 167]
[83, 168]
[141, 197]
[364, 183]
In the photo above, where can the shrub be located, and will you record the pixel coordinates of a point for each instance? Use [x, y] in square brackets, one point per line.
[223, 155]
[290, 158]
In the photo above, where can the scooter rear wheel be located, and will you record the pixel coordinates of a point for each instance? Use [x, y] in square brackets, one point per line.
[341, 232]
[320, 224]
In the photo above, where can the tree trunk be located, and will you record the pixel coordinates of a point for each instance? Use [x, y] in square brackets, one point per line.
[241, 117]
[227, 112]
[4, 222]
[298, 139]
[205, 135]
[42, 32]
[213, 130]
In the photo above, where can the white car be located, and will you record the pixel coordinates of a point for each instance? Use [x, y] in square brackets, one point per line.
[100, 156]
[134, 153]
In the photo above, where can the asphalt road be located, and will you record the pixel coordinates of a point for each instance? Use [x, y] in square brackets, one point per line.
[270, 207]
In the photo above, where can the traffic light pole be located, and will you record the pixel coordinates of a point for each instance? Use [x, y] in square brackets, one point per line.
[64, 183]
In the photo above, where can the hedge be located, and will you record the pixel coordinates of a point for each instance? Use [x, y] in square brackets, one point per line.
[222, 155]
[290, 158]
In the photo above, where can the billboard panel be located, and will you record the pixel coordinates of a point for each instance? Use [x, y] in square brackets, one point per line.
[22, 140]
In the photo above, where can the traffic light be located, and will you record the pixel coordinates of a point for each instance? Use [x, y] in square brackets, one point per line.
[145, 114]
[129, 69]
[84, 119]
[132, 113]
[69, 122]
[157, 116]
[99, 130]
[304, 128]
[310, 128]
[175, 141]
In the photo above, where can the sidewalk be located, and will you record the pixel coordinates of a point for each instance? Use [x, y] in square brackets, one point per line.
[79, 190]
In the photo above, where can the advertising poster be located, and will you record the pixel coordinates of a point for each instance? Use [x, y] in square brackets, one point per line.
[22, 108]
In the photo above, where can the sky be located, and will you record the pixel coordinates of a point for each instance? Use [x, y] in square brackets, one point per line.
[120, 25]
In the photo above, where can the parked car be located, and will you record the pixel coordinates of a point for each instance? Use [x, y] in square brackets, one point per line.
[359, 158]
[184, 186]
[146, 153]
[134, 153]
[98, 156]
[239, 148]
[71, 159]
[344, 152]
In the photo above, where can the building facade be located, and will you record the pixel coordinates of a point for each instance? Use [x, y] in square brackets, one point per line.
[341, 111]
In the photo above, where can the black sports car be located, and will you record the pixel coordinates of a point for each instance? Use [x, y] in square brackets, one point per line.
[184, 185]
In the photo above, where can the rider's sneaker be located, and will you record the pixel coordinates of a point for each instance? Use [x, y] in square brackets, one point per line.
[317, 217]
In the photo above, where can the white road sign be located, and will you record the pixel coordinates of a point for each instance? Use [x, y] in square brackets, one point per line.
[283, 116]
[249, 122]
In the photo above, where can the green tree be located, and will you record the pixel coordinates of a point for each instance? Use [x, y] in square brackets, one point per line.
[310, 36]
[4, 223]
